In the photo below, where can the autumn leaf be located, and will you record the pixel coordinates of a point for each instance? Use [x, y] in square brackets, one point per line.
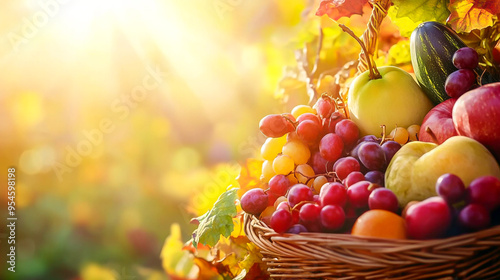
[467, 15]
[207, 270]
[249, 176]
[336, 9]
[407, 15]
[217, 221]
[176, 261]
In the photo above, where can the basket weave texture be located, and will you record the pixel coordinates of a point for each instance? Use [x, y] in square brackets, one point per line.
[344, 256]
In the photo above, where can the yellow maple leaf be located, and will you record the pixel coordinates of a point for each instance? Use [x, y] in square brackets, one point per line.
[467, 15]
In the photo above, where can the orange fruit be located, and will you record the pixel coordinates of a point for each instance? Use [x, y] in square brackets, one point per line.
[380, 223]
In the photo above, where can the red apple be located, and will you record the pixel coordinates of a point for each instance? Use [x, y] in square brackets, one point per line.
[428, 219]
[439, 121]
[476, 114]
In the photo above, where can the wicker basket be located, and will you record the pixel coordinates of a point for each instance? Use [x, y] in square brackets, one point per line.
[344, 256]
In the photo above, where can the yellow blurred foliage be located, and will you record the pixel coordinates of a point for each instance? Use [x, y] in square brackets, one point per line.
[176, 261]
[94, 271]
[221, 178]
[27, 109]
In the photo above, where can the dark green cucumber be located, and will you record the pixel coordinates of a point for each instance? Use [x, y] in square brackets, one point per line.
[432, 46]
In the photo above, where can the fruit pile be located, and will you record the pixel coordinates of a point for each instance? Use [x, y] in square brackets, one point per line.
[332, 167]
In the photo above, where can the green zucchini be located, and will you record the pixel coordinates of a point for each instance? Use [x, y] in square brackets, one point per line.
[432, 46]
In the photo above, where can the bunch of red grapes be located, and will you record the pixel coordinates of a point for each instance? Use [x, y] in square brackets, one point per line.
[318, 174]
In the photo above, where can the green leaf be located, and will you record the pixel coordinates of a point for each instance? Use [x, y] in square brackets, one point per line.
[409, 14]
[217, 221]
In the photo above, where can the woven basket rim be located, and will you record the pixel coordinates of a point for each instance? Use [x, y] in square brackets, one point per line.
[256, 224]
[312, 255]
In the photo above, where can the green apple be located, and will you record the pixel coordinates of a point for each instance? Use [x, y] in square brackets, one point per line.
[394, 99]
[415, 168]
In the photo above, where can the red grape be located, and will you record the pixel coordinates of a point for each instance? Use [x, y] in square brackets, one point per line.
[271, 198]
[309, 117]
[358, 193]
[299, 193]
[353, 178]
[451, 188]
[275, 125]
[295, 216]
[465, 58]
[382, 198]
[331, 147]
[333, 194]
[372, 156]
[485, 190]
[309, 213]
[308, 131]
[332, 217]
[330, 123]
[283, 205]
[279, 184]
[281, 221]
[348, 131]
[318, 163]
[459, 82]
[474, 217]
[254, 201]
[324, 106]
[346, 167]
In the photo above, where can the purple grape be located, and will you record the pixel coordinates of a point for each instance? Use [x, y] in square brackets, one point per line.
[474, 217]
[361, 141]
[459, 82]
[376, 177]
[451, 188]
[372, 156]
[297, 228]
[390, 148]
[465, 58]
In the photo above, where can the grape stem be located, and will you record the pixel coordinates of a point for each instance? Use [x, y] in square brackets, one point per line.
[374, 73]
[331, 174]
[290, 120]
[384, 131]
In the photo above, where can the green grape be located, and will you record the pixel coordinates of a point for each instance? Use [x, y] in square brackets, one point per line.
[303, 172]
[298, 151]
[293, 180]
[318, 183]
[413, 131]
[400, 135]
[283, 164]
[272, 147]
[267, 171]
[302, 109]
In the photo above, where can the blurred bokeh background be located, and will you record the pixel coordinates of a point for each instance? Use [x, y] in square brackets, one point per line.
[116, 114]
[123, 117]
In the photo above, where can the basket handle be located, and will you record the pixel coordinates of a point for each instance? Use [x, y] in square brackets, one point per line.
[370, 36]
